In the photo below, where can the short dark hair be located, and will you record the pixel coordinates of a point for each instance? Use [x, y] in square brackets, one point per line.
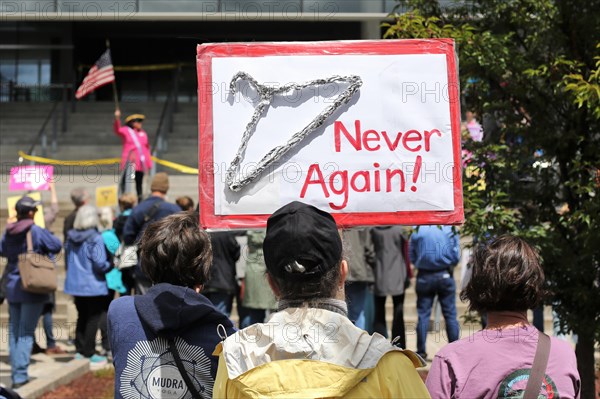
[506, 275]
[176, 250]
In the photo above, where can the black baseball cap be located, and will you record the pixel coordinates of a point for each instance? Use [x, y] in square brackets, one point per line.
[26, 204]
[302, 242]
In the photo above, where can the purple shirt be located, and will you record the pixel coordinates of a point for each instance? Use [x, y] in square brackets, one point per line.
[496, 363]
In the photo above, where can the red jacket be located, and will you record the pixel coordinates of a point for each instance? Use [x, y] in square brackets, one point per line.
[129, 146]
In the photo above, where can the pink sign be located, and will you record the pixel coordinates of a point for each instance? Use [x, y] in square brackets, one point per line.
[31, 177]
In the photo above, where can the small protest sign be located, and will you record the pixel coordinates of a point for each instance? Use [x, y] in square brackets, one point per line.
[366, 130]
[30, 177]
[106, 196]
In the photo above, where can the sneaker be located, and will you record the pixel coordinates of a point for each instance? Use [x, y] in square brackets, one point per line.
[97, 362]
[79, 356]
[57, 350]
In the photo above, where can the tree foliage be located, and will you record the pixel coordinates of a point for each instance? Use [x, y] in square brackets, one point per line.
[531, 70]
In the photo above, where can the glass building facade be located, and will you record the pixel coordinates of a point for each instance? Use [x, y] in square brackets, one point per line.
[47, 46]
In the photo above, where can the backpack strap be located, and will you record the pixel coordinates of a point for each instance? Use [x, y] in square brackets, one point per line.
[191, 387]
[538, 370]
[148, 216]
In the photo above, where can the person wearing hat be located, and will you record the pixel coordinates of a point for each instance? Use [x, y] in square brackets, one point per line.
[25, 308]
[136, 149]
[309, 347]
[153, 208]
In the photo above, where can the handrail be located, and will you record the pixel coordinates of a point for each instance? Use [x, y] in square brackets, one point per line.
[41, 136]
[160, 123]
[168, 109]
[41, 132]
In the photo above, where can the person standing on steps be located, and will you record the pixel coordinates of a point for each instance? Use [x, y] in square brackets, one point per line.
[136, 149]
[435, 250]
[153, 208]
[24, 308]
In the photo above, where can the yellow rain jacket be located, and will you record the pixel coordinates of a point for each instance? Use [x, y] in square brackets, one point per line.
[314, 353]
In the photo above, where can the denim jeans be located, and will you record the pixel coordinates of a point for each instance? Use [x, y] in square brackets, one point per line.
[48, 325]
[23, 318]
[356, 297]
[222, 301]
[429, 285]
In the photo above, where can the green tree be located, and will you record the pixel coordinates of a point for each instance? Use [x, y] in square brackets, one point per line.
[531, 69]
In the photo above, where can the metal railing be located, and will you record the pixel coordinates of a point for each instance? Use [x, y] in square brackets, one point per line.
[41, 138]
[167, 117]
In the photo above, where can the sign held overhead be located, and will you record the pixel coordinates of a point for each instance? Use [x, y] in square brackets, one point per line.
[367, 130]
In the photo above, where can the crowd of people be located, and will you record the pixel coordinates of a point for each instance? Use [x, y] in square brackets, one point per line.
[311, 301]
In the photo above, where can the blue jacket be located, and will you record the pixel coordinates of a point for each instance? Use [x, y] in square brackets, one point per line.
[13, 244]
[434, 248]
[139, 328]
[135, 225]
[87, 262]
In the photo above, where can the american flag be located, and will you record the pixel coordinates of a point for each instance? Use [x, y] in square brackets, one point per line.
[100, 74]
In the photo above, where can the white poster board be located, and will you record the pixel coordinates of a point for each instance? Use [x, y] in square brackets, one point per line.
[389, 154]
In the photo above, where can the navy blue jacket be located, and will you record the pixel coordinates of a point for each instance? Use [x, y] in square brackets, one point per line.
[434, 248]
[88, 263]
[138, 329]
[135, 225]
[14, 243]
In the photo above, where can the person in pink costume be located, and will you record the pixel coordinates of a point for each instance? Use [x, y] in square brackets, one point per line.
[136, 149]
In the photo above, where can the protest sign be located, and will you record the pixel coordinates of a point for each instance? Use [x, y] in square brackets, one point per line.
[38, 219]
[30, 177]
[366, 130]
[106, 196]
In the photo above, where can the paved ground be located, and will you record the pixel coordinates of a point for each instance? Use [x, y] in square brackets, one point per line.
[46, 372]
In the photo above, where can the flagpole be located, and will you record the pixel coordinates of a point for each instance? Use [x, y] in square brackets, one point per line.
[114, 82]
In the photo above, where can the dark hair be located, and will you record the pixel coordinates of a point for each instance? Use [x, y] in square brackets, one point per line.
[176, 250]
[506, 276]
[131, 122]
[323, 287]
[185, 203]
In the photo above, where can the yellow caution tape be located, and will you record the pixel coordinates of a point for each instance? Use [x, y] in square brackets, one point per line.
[176, 166]
[106, 161]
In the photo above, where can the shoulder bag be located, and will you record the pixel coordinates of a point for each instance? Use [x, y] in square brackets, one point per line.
[126, 256]
[38, 273]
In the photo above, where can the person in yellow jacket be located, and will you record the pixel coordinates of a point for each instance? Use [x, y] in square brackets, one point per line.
[309, 348]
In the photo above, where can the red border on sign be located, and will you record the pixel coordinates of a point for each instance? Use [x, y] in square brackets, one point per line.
[365, 47]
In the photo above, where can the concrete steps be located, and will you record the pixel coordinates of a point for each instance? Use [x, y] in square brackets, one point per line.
[65, 315]
[90, 135]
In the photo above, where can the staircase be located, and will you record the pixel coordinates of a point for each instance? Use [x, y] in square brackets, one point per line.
[90, 134]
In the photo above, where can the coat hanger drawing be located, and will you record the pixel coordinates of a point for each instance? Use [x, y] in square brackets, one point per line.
[266, 95]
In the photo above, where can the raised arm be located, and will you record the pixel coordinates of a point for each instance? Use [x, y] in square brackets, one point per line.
[51, 212]
[117, 123]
